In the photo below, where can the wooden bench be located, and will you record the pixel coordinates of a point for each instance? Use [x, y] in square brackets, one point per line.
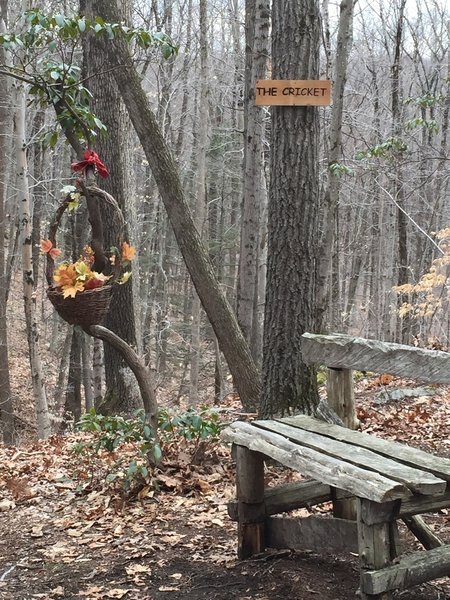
[387, 481]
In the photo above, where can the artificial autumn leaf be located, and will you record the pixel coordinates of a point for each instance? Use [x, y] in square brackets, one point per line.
[47, 248]
[93, 283]
[92, 159]
[70, 291]
[82, 269]
[65, 275]
[73, 205]
[125, 277]
[128, 252]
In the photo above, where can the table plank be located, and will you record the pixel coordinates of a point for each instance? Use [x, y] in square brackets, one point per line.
[420, 482]
[438, 466]
[327, 469]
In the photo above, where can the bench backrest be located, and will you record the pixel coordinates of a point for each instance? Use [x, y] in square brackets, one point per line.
[341, 351]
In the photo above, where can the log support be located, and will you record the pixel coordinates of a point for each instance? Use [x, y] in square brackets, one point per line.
[377, 544]
[251, 505]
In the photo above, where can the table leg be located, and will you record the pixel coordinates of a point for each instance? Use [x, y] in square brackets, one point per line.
[376, 548]
[251, 506]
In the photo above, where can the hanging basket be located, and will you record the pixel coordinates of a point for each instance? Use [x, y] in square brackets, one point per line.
[87, 307]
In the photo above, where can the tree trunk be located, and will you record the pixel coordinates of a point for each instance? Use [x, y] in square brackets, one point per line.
[87, 373]
[40, 398]
[288, 384]
[120, 394]
[257, 23]
[200, 203]
[165, 172]
[6, 405]
[330, 233]
[72, 406]
[398, 191]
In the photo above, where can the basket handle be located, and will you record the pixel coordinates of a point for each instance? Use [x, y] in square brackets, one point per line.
[50, 265]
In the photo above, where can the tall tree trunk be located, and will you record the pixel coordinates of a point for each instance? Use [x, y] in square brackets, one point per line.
[330, 234]
[200, 203]
[6, 405]
[121, 393]
[398, 191]
[288, 384]
[40, 398]
[257, 24]
[165, 172]
[72, 404]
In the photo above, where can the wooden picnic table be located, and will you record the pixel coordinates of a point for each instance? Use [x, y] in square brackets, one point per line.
[388, 481]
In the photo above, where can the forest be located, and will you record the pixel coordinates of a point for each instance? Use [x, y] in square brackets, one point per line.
[250, 224]
[187, 188]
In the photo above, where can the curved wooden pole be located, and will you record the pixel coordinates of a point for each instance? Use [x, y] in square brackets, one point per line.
[142, 373]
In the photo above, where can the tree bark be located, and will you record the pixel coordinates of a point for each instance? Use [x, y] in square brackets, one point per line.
[200, 203]
[165, 172]
[6, 405]
[288, 384]
[330, 233]
[113, 149]
[40, 398]
[257, 23]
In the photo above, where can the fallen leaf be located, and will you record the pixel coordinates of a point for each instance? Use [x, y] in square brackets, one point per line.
[6, 505]
[36, 531]
[135, 569]
[117, 593]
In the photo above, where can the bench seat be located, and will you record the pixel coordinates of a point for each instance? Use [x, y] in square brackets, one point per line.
[387, 479]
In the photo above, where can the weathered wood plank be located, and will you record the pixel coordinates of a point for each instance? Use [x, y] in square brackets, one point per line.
[411, 570]
[316, 465]
[420, 482]
[312, 533]
[423, 533]
[374, 542]
[438, 466]
[341, 396]
[251, 509]
[347, 352]
[284, 498]
[422, 504]
[290, 496]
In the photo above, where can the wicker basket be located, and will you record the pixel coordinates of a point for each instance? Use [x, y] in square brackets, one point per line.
[85, 309]
[88, 307]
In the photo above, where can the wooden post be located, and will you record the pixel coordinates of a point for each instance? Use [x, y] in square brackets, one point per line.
[341, 398]
[341, 395]
[376, 548]
[251, 506]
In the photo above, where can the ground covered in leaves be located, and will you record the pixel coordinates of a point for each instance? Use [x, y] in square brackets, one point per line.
[66, 532]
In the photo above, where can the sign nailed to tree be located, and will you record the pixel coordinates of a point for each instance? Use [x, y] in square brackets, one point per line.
[293, 92]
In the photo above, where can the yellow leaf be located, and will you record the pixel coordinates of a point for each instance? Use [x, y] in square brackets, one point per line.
[125, 277]
[70, 291]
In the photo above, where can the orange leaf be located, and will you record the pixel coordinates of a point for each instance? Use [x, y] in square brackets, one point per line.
[65, 275]
[54, 252]
[46, 246]
[128, 252]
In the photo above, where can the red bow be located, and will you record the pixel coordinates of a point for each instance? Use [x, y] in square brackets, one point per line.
[91, 159]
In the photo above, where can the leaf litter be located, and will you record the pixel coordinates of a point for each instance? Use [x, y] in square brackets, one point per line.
[173, 536]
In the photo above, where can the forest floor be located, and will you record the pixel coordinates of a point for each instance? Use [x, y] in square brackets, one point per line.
[60, 541]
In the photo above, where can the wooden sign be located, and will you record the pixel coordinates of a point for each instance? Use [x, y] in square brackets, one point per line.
[292, 92]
